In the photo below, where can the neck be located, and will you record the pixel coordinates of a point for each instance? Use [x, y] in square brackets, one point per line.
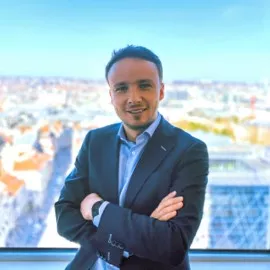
[132, 134]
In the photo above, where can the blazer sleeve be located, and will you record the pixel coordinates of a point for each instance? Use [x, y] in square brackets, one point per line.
[165, 242]
[70, 223]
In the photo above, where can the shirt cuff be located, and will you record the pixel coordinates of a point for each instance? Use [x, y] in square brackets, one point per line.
[101, 209]
[126, 254]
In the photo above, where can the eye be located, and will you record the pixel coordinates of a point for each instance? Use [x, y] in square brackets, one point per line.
[122, 88]
[145, 85]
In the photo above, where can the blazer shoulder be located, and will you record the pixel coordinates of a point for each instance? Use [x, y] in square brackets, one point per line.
[103, 132]
[184, 137]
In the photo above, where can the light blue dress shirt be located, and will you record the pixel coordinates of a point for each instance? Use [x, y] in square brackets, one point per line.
[130, 154]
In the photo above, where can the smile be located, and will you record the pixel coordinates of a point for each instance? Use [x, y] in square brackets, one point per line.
[137, 111]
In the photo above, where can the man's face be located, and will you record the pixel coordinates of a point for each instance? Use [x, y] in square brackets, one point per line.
[135, 90]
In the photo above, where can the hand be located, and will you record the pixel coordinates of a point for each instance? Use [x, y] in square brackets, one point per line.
[87, 204]
[168, 207]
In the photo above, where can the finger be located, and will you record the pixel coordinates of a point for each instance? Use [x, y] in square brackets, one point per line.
[170, 208]
[168, 216]
[159, 213]
[170, 195]
[156, 214]
[170, 201]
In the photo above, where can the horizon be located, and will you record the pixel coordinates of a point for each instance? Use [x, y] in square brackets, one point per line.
[75, 78]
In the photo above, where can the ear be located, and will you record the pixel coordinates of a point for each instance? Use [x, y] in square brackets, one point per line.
[161, 91]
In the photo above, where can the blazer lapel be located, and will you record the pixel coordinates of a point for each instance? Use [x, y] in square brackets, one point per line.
[156, 150]
[109, 168]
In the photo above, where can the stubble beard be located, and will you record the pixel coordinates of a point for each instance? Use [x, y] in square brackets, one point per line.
[141, 127]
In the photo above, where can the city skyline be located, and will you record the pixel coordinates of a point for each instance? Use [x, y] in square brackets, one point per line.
[195, 40]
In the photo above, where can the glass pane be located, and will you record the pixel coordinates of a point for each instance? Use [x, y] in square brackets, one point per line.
[215, 56]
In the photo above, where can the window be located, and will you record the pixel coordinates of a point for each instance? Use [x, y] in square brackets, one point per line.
[215, 57]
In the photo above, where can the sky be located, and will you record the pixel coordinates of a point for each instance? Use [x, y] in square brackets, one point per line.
[225, 40]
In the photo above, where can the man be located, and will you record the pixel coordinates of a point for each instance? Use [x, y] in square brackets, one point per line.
[118, 203]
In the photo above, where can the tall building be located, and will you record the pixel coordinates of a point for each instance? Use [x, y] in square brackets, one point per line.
[239, 194]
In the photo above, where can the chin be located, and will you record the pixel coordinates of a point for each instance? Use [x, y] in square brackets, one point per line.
[138, 125]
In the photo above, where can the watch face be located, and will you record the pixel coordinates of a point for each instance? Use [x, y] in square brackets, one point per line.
[95, 208]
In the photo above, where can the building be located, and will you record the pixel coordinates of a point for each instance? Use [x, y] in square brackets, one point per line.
[239, 206]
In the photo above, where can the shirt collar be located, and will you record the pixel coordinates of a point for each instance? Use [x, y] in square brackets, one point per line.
[149, 131]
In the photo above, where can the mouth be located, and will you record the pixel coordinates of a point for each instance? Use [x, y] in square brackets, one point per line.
[136, 111]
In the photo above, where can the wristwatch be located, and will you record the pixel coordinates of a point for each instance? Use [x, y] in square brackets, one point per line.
[95, 208]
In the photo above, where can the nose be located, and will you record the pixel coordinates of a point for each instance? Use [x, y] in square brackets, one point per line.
[134, 95]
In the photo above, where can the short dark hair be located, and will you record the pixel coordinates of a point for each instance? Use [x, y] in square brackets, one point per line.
[132, 51]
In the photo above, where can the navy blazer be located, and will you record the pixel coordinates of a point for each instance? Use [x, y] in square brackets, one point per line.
[172, 160]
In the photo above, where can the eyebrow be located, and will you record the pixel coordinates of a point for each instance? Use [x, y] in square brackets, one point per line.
[144, 81]
[120, 84]
[139, 81]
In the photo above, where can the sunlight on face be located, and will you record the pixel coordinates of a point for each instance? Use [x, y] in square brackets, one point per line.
[135, 90]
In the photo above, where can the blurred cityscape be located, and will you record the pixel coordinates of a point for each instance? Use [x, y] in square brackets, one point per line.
[44, 120]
